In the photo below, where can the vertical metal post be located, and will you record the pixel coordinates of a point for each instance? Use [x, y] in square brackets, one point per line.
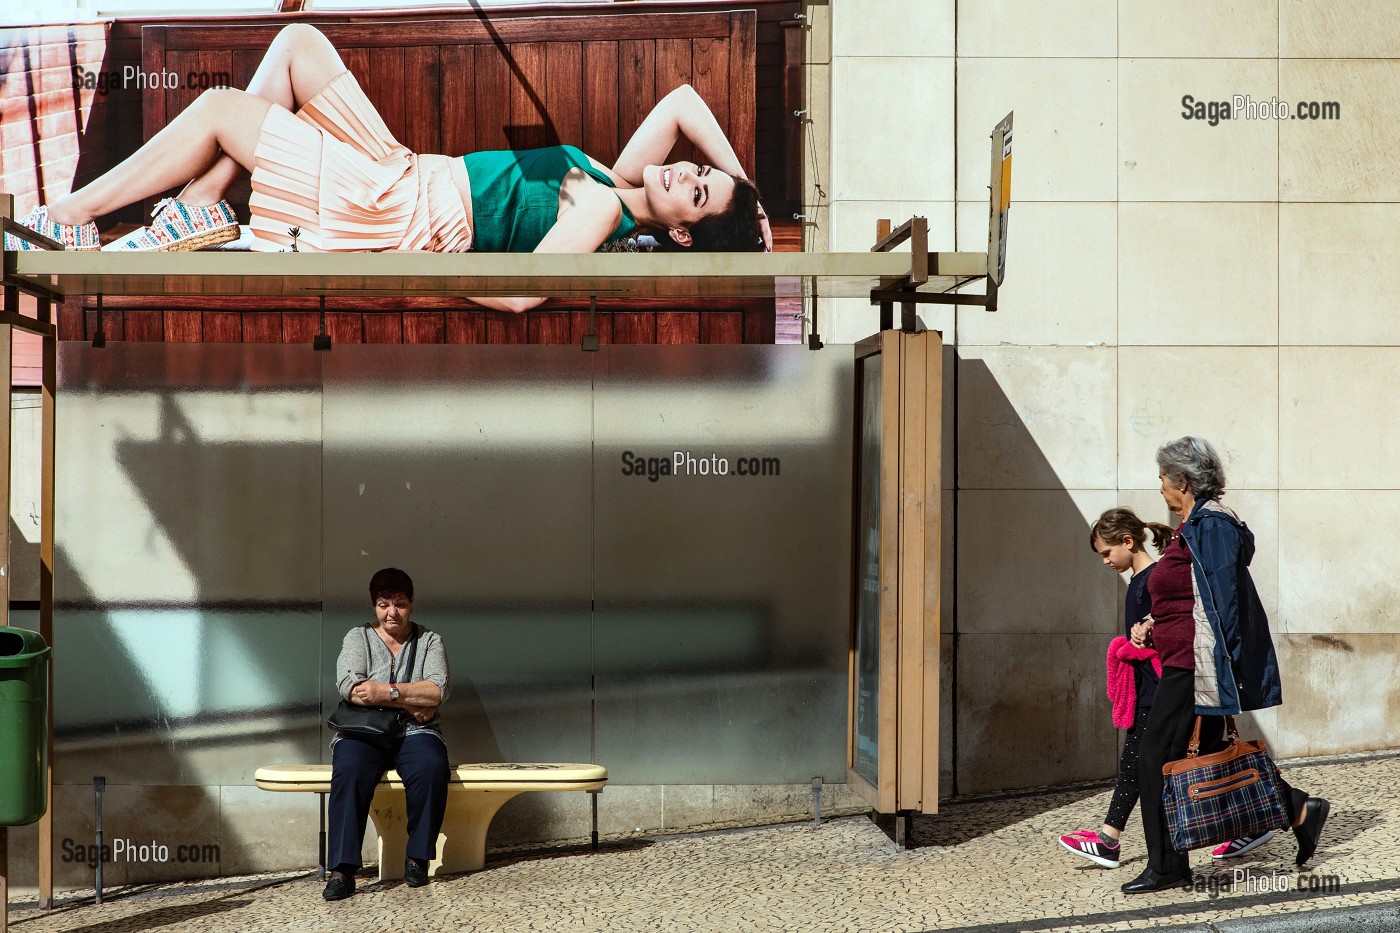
[11, 306]
[322, 341]
[321, 848]
[590, 340]
[46, 447]
[99, 784]
[594, 795]
[817, 800]
[908, 318]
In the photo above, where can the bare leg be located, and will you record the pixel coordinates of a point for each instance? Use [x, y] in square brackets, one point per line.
[299, 62]
[221, 119]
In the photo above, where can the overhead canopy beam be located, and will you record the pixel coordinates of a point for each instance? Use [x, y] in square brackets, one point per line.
[633, 275]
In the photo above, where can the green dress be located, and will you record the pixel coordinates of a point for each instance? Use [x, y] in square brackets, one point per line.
[515, 196]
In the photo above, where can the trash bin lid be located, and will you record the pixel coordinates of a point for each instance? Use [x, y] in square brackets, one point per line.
[19, 647]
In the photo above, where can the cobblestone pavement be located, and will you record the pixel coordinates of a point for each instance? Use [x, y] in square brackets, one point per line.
[981, 866]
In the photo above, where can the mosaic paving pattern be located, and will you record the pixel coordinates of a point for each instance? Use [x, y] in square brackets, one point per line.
[976, 867]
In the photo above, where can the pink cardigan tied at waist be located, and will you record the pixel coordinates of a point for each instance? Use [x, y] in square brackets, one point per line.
[1122, 689]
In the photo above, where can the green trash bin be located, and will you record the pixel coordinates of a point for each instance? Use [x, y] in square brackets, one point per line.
[24, 725]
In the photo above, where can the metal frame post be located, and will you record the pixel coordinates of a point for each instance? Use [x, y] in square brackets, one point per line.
[46, 496]
[11, 306]
[99, 784]
[593, 795]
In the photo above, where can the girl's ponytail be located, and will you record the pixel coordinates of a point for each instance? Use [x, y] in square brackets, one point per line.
[1116, 524]
[1161, 535]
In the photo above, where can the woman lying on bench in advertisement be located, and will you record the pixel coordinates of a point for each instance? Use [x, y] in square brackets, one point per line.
[328, 176]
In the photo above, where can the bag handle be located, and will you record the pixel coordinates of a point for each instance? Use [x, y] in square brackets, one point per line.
[1194, 748]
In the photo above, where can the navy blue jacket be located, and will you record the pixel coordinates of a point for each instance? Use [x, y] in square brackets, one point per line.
[1236, 669]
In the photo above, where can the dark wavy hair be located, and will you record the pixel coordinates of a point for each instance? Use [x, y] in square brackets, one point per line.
[734, 230]
[391, 581]
[1116, 524]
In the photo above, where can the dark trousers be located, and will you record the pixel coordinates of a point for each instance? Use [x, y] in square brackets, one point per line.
[357, 766]
[1125, 792]
[1168, 733]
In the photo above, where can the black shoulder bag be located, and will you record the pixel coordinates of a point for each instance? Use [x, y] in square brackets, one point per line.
[376, 723]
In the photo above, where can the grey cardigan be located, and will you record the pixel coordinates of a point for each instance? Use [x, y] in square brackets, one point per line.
[429, 663]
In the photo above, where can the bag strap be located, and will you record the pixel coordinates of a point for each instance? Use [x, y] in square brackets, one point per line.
[412, 653]
[1195, 746]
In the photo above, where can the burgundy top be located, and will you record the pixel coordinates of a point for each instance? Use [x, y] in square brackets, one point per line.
[1173, 603]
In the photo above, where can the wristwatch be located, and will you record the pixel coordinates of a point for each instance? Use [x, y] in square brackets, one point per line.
[393, 693]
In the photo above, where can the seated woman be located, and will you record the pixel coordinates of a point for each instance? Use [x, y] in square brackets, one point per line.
[391, 662]
[327, 175]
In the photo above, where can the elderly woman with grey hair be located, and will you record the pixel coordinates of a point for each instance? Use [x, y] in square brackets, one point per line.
[1212, 636]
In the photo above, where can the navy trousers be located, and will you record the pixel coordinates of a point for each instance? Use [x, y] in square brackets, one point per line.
[357, 766]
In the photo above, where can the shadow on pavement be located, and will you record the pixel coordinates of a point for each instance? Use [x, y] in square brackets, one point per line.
[163, 916]
[958, 821]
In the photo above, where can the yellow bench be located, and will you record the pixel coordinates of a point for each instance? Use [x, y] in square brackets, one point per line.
[474, 793]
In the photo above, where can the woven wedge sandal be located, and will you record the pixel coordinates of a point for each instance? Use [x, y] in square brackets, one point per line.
[81, 237]
[177, 227]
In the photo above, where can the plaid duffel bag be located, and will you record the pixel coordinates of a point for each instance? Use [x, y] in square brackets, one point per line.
[1210, 799]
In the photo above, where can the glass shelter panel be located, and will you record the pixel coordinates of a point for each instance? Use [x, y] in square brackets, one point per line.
[469, 468]
[866, 754]
[636, 556]
[723, 485]
[187, 561]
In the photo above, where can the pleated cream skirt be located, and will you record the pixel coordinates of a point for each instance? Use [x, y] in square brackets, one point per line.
[335, 174]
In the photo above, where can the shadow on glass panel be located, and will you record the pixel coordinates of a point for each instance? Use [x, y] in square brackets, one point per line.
[469, 467]
[187, 622]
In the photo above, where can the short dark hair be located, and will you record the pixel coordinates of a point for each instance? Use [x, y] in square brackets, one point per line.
[736, 229]
[391, 581]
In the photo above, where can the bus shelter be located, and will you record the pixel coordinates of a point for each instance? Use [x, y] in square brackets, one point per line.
[891, 748]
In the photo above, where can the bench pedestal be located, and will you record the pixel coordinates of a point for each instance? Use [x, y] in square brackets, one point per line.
[462, 842]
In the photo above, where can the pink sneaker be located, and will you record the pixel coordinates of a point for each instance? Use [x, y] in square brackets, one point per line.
[1237, 847]
[1089, 844]
[178, 227]
[76, 237]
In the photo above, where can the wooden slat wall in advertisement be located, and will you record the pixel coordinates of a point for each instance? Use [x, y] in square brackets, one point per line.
[205, 320]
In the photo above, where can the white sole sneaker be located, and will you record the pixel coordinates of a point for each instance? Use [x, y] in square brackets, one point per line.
[1253, 844]
[1098, 860]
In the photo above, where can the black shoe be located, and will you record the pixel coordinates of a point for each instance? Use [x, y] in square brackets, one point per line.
[1150, 880]
[1310, 830]
[339, 888]
[415, 872]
